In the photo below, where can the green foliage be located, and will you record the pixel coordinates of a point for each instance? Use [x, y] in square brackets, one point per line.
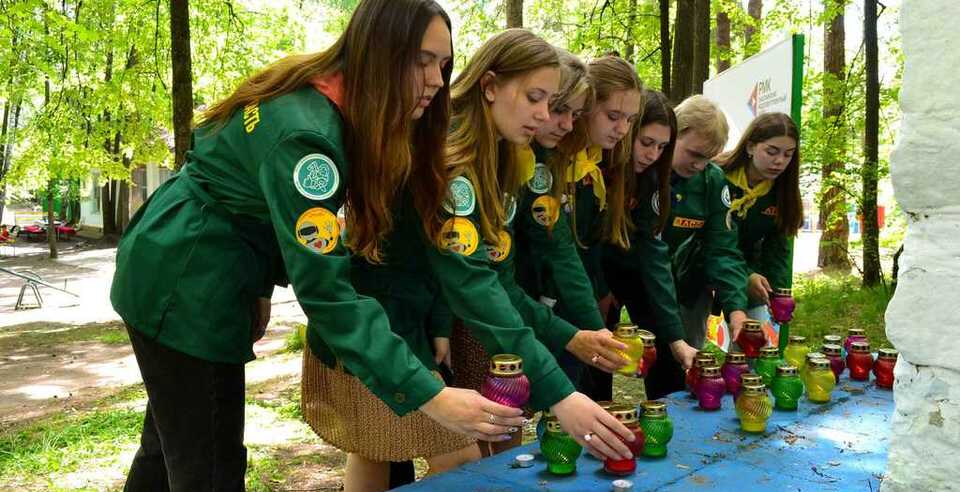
[295, 339]
[831, 304]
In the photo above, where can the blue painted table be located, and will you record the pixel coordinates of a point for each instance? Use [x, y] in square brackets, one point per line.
[841, 445]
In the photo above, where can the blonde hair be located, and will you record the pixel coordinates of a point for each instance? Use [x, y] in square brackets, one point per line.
[702, 116]
[472, 147]
[574, 82]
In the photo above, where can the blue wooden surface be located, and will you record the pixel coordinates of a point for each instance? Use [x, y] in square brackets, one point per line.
[838, 446]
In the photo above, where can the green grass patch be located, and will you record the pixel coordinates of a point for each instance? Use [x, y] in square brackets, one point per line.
[41, 334]
[296, 338]
[831, 304]
[114, 337]
[265, 472]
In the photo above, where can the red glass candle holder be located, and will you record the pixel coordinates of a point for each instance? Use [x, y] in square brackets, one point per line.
[854, 335]
[782, 305]
[751, 338]
[649, 352]
[860, 361]
[627, 416]
[735, 365]
[710, 388]
[505, 382]
[883, 368]
[832, 353]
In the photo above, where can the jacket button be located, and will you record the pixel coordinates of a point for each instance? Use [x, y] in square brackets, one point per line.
[400, 397]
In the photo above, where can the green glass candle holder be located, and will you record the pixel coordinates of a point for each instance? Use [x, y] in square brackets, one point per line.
[657, 428]
[766, 365]
[559, 449]
[787, 388]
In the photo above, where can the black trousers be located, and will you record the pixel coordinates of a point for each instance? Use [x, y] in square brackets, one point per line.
[192, 436]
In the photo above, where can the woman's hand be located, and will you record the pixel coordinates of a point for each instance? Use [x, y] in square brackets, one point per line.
[466, 412]
[597, 348]
[591, 426]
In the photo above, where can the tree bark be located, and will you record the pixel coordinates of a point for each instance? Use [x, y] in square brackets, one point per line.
[630, 46]
[701, 46]
[755, 11]
[108, 206]
[514, 13]
[833, 205]
[681, 83]
[665, 47]
[871, 144]
[723, 41]
[51, 228]
[182, 79]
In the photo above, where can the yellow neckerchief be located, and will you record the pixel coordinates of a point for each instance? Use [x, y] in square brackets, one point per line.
[742, 205]
[586, 164]
[526, 163]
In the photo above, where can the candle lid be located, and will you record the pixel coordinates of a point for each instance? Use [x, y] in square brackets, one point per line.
[783, 292]
[819, 364]
[755, 389]
[626, 414]
[798, 339]
[547, 414]
[856, 332]
[752, 325]
[649, 339]
[506, 365]
[702, 361]
[830, 349]
[787, 370]
[860, 347]
[708, 371]
[750, 378]
[553, 425]
[737, 358]
[887, 353]
[654, 408]
[832, 339]
[815, 355]
[605, 404]
[626, 330]
[769, 353]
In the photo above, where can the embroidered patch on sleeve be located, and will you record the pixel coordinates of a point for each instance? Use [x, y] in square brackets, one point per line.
[459, 236]
[545, 210]
[462, 199]
[316, 177]
[542, 179]
[498, 253]
[318, 230]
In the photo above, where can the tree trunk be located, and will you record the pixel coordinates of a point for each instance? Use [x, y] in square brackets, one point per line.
[51, 228]
[701, 46]
[833, 205]
[755, 10]
[871, 144]
[8, 151]
[665, 47]
[514, 13]
[681, 84]
[108, 206]
[630, 46]
[723, 41]
[182, 79]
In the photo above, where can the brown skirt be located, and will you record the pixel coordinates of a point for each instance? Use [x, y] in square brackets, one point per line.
[469, 358]
[344, 413]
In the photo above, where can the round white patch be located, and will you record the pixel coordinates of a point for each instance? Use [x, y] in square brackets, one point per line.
[316, 177]
[542, 179]
[725, 196]
[462, 199]
[655, 202]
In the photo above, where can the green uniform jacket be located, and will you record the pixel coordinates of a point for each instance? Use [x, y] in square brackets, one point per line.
[702, 244]
[647, 264]
[423, 286]
[767, 250]
[266, 184]
[544, 253]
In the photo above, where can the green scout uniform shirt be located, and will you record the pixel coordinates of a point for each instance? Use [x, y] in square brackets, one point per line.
[767, 250]
[549, 253]
[647, 264]
[424, 285]
[702, 244]
[268, 183]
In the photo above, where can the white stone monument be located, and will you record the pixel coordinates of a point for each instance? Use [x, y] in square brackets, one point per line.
[923, 319]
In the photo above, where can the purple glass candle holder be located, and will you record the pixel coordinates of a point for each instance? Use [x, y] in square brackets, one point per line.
[505, 382]
[733, 367]
[782, 305]
[710, 388]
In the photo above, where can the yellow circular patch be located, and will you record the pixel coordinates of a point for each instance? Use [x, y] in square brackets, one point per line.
[318, 230]
[546, 210]
[460, 236]
[500, 252]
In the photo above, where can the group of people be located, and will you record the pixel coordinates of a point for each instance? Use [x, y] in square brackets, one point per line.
[426, 225]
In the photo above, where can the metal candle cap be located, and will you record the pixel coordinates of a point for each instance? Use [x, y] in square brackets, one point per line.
[506, 365]
[815, 355]
[605, 404]
[755, 389]
[769, 353]
[856, 332]
[787, 370]
[649, 339]
[833, 339]
[653, 408]
[701, 361]
[553, 425]
[749, 378]
[622, 486]
[737, 358]
[830, 349]
[887, 353]
[626, 414]
[708, 371]
[819, 364]
[752, 325]
[626, 330]
[798, 339]
[860, 347]
[783, 292]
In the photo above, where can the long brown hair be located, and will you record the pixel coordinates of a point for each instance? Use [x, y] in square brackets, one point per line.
[472, 147]
[656, 109]
[610, 74]
[377, 55]
[787, 185]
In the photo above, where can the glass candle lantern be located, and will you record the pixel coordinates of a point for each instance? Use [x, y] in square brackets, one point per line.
[859, 361]
[735, 365]
[833, 339]
[748, 378]
[832, 353]
[649, 352]
[883, 368]
[787, 388]
[627, 416]
[754, 407]
[820, 380]
[796, 352]
[782, 305]
[629, 335]
[805, 370]
[854, 335]
[710, 388]
[693, 374]
[751, 338]
[766, 365]
[559, 449]
[505, 382]
[657, 428]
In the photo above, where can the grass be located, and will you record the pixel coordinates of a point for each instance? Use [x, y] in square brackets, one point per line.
[295, 339]
[831, 304]
[50, 334]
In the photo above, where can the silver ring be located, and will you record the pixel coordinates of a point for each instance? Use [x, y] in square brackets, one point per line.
[596, 357]
[588, 437]
[491, 419]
